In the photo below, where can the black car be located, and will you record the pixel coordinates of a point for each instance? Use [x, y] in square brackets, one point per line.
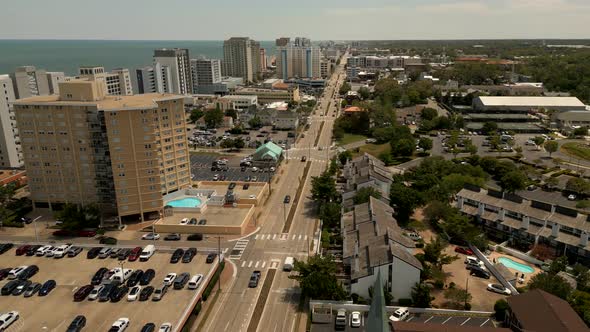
[47, 287]
[211, 258]
[254, 278]
[30, 271]
[176, 256]
[189, 254]
[146, 292]
[77, 324]
[4, 273]
[149, 327]
[22, 287]
[479, 272]
[193, 221]
[202, 222]
[99, 275]
[93, 253]
[33, 250]
[287, 199]
[231, 186]
[118, 293]
[105, 293]
[10, 287]
[195, 237]
[134, 278]
[246, 186]
[172, 237]
[123, 254]
[181, 280]
[115, 252]
[5, 247]
[147, 277]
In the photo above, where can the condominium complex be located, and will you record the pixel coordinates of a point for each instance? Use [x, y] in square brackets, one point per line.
[298, 59]
[29, 81]
[241, 58]
[178, 60]
[206, 75]
[382, 62]
[325, 68]
[53, 79]
[263, 60]
[10, 148]
[153, 79]
[122, 153]
[118, 82]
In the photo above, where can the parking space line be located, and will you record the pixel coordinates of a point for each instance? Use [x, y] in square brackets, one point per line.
[409, 319]
[263, 264]
[250, 264]
[299, 238]
[256, 237]
[293, 238]
[448, 319]
[274, 236]
[468, 318]
[243, 263]
[268, 237]
[257, 263]
[426, 321]
[484, 323]
[305, 238]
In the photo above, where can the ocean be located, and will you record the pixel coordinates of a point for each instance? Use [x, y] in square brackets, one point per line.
[68, 55]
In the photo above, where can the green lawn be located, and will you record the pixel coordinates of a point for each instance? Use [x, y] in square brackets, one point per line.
[375, 149]
[351, 138]
[577, 150]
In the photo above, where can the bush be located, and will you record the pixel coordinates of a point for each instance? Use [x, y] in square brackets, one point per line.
[107, 240]
[12, 223]
[212, 282]
[500, 308]
[420, 244]
[405, 302]
[467, 306]
[439, 284]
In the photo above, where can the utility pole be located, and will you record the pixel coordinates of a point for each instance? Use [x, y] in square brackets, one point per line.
[35, 224]
[466, 290]
[219, 261]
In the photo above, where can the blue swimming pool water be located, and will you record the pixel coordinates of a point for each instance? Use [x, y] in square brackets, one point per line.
[185, 202]
[515, 265]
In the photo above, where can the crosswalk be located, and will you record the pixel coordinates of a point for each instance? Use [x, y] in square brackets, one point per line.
[238, 249]
[309, 159]
[261, 264]
[281, 237]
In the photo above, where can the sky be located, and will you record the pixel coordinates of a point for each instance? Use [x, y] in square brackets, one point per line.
[315, 19]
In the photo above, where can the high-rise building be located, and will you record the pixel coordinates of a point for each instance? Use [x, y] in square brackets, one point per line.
[153, 79]
[29, 81]
[118, 82]
[10, 148]
[120, 152]
[283, 41]
[298, 59]
[325, 68]
[53, 79]
[241, 58]
[178, 61]
[206, 76]
[263, 60]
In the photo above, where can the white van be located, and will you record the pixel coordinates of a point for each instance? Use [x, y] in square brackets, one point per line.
[13, 274]
[147, 252]
[60, 251]
[288, 265]
[195, 281]
[473, 261]
[121, 275]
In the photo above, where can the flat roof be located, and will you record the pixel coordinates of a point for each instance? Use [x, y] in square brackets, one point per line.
[486, 116]
[531, 101]
[507, 125]
[147, 100]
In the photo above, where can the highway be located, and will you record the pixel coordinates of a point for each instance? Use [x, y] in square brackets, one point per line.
[269, 247]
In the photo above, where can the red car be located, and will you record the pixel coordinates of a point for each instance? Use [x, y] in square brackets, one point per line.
[463, 250]
[63, 232]
[134, 255]
[22, 250]
[86, 233]
[82, 293]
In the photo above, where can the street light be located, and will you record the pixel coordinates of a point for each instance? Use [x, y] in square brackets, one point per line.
[35, 225]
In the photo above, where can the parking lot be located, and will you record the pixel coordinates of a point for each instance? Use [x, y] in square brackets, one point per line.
[55, 311]
[201, 170]
[252, 139]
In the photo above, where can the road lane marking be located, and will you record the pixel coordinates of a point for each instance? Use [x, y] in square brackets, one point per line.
[293, 237]
[468, 318]
[256, 237]
[299, 238]
[305, 238]
[484, 323]
[250, 264]
[257, 263]
[273, 236]
[263, 264]
[243, 263]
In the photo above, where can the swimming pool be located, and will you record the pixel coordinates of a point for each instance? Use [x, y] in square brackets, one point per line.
[185, 202]
[509, 263]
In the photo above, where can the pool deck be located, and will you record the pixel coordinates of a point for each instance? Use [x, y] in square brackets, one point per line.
[527, 276]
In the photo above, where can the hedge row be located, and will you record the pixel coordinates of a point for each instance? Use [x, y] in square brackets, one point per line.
[212, 282]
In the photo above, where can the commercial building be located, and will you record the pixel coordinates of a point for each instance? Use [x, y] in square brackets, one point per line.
[374, 62]
[298, 59]
[518, 104]
[373, 243]
[154, 79]
[119, 152]
[241, 58]
[206, 75]
[263, 60]
[118, 82]
[283, 41]
[570, 120]
[325, 68]
[527, 223]
[178, 61]
[53, 80]
[266, 96]
[10, 148]
[29, 81]
[236, 102]
[286, 120]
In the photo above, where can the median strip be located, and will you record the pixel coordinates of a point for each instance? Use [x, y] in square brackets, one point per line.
[259, 308]
[293, 208]
[317, 138]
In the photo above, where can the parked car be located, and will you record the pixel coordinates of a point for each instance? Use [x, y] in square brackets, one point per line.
[303, 158]
[464, 250]
[147, 277]
[42, 251]
[479, 272]
[146, 292]
[149, 327]
[176, 256]
[193, 221]
[133, 293]
[151, 236]
[210, 257]
[414, 236]
[105, 252]
[254, 278]
[33, 250]
[181, 280]
[287, 199]
[160, 292]
[4, 247]
[195, 237]
[94, 293]
[93, 252]
[195, 281]
[74, 251]
[231, 186]
[123, 254]
[114, 253]
[166, 327]
[340, 320]
[22, 249]
[169, 279]
[245, 186]
[107, 290]
[98, 276]
[82, 293]
[32, 289]
[119, 293]
[10, 286]
[355, 319]
[22, 287]
[189, 254]
[61, 251]
[399, 315]
[27, 273]
[497, 288]
[77, 324]
[172, 237]
[120, 325]
[134, 254]
[4, 273]
[7, 319]
[47, 287]
[202, 222]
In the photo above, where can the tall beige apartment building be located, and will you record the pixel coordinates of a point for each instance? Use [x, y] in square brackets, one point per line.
[121, 152]
[241, 58]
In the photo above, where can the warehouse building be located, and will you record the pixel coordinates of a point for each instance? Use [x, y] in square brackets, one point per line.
[516, 104]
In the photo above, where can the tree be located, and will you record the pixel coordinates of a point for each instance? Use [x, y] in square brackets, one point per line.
[362, 195]
[558, 265]
[538, 140]
[421, 295]
[495, 142]
[581, 131]
[434, 253]
[428, 113]
[458, 297]
[330, 214]
[6, 194]
[255, 122]
[404, 200]
[500, 308]
[232, 112]
[214, 118]
[551, 283]
[404, 147]
[513, 181]
[196, 114]
[437, 210]
[425, 143]
[323, 188]
[472, 149]
[227, 143]
[76, 217]
[239, 143]
[489, 128]
[551, 146]
[364, 93]
[344, 156]
[344, 88]
[578, 185]
[317, 278]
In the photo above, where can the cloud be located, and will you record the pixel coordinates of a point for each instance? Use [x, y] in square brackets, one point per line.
[453, 7]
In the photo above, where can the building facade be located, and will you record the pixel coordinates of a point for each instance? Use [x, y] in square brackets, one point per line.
[29, 81]
[10, 148]
[206, 75]
[117, 82]
[178, 61]
[267, 96]
[238, 103]
[241, 58]
[53, 80]
[121, 153]
[153, 79]
[298, 59]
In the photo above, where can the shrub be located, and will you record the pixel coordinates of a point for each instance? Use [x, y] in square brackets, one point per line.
[500, 308]
[439, 284]
[467, 306]
[405, 302]
[12, 223]
[212, 282]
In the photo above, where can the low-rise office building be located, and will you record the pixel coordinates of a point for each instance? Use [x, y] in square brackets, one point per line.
[570, 120]
[286, 93]
[286, 120]
[517, 104]
[237, 102]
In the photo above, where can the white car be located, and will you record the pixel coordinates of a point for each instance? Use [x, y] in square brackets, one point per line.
[166, 327]
[43, 250]
[497, 288]
[414, 236]
[120, 325]
[272, 169]
[252, 197]
[94, 293]
[169, 279]
[355, 319]
[61, 251]
[254, 169]
[571, 197]
[399, 315]
[51, 252]
[7, 319]
[133, 293]
[151, 236]
[184, 221]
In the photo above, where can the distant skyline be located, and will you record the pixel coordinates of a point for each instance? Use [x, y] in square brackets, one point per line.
[318, 20]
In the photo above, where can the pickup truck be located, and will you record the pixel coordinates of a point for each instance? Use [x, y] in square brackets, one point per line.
[254, 278]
